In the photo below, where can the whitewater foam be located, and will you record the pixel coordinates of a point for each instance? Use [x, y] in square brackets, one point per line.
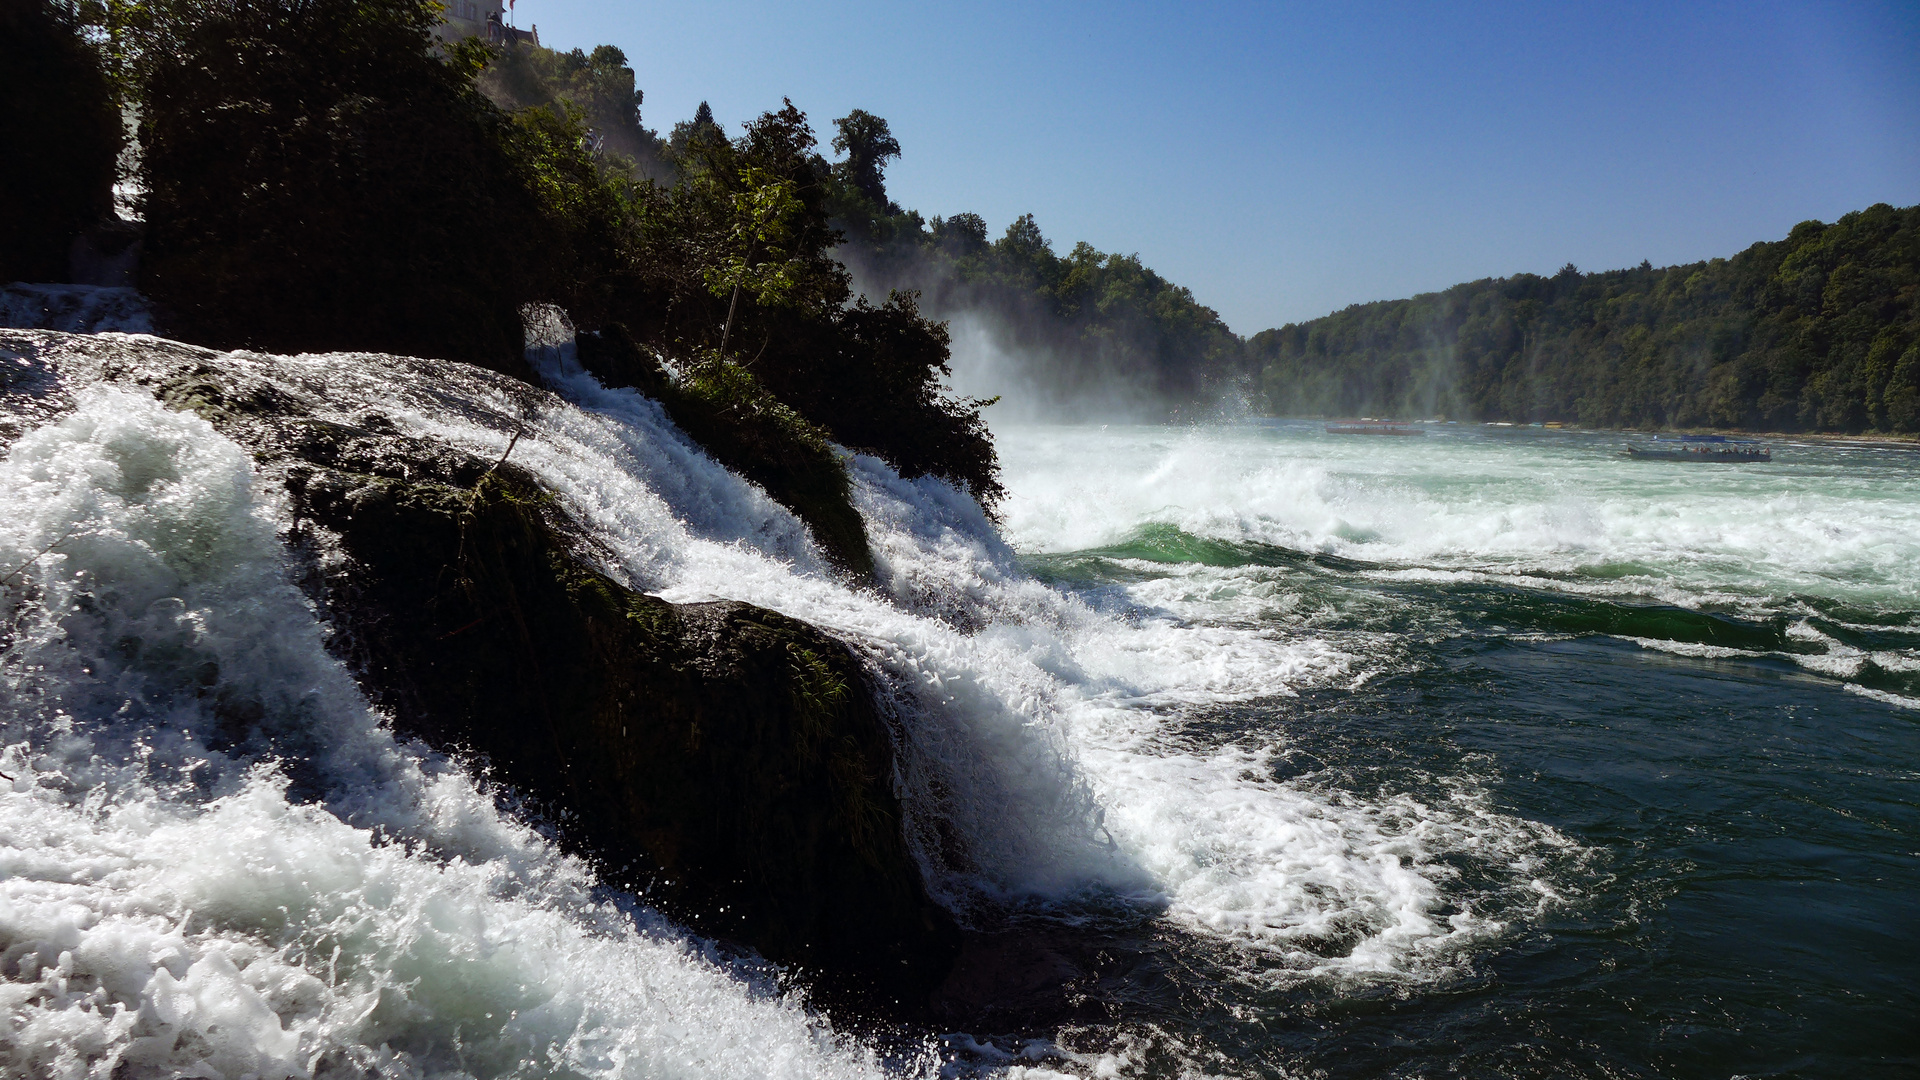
[1562, 509]
[207, 802]
[1042, 730]
[171, 906]
[1560, 516]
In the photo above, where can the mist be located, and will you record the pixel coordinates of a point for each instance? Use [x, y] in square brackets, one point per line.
[1091, 363]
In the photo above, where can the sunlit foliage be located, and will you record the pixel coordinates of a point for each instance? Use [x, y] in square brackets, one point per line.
[1819, 331]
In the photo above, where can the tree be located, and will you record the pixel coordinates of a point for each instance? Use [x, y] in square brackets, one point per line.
[734, 275]
[600, 85]
[869, 145]
[961, 235]
[1819, 331]
[687, 135]
[320, 178]
[760, 261]
[59, 137]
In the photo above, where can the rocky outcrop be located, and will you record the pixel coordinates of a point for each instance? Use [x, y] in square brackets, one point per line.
[728, 761]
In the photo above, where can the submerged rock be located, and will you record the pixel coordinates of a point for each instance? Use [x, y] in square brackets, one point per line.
[726, 760]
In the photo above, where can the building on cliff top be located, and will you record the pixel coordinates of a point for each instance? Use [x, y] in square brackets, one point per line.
[484, 19]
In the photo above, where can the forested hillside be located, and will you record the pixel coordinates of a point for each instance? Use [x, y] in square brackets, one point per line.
[1087, 325]
[1816, 332]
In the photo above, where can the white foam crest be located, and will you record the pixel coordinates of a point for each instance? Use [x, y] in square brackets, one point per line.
[1699, 650]
[1320, 882]
[169, 909]
[75, 309]
[1849, 531]
[254, 936]
[1835, 659]
[1899, 701]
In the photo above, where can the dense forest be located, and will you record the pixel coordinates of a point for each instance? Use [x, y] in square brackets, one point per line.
[1091, 329]
[327, 175]
[1816, 332]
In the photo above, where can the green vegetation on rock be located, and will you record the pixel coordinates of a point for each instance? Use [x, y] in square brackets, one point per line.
[740, 257]
[726, 410]
[1816, 332]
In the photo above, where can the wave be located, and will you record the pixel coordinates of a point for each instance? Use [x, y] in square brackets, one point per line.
[1251, 525]
[1846, 530]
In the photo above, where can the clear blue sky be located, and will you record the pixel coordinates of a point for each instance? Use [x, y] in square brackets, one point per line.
[1286, 160]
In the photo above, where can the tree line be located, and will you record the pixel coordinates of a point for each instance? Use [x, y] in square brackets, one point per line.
[1819, 331]
[1085, 325]
[323, 174]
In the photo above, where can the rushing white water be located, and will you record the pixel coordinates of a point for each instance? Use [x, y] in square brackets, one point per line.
[1051, 726]
[1518, 505]
[78, 309]
[166, 909]
[1829, 532]
[214, 859]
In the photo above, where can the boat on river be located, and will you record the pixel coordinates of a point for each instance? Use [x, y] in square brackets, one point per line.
[1373, 427]
[1711, 449]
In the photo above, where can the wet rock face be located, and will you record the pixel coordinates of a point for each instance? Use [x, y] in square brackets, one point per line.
[724, 759]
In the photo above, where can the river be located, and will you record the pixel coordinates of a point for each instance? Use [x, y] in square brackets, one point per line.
[1649, 733]
[1479, 754]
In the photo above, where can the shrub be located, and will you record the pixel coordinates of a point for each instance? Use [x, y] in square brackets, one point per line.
[741, 254]
[876, 384]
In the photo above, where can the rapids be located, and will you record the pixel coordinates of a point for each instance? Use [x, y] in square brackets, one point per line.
[1279, 729]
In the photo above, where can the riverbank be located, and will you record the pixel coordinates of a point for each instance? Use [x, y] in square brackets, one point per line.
[1875, 440]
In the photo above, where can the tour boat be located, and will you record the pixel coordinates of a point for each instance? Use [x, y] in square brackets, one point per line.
[1701, 448]
[1372, 427]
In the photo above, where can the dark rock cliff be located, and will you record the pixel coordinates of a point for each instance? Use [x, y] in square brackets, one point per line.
[725, 759]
